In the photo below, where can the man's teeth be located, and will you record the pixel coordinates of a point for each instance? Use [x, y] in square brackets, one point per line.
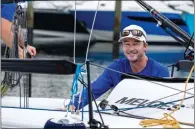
[131, 53]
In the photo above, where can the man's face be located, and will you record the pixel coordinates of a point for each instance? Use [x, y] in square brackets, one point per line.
[134, 49]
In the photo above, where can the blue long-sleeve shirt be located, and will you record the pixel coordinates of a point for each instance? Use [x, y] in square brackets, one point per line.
[7, 11]
[109, 79]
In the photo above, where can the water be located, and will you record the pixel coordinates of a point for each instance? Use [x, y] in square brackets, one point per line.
[59, 86]
[55, 86]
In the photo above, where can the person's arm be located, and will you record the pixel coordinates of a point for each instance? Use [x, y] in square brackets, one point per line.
[98, 87]
[7, 36]
[30, 49]
[7, 14]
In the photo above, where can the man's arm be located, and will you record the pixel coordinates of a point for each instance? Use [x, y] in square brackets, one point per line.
[6, 33]
[7, 36]
[7, 14]
[100, 86]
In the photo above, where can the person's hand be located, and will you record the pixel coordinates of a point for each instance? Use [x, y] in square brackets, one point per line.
[72, 108]
[31, 50]
[21, 53]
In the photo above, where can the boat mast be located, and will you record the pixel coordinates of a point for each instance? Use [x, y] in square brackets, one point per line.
[30, 25]
[164, 22]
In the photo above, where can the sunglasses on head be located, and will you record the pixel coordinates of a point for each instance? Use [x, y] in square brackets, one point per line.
[137, 33]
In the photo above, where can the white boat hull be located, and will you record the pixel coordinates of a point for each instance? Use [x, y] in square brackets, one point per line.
[28, 118]
[41, 110]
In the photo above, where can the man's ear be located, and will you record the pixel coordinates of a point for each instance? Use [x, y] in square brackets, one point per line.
[146, 45]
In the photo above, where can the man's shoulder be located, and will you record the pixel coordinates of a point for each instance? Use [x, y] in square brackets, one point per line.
[157, 64]
[160, 70]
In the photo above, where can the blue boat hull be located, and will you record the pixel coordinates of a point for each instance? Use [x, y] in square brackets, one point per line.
[105, 22]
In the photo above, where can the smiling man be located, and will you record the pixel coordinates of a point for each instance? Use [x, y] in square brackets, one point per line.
[134, 45]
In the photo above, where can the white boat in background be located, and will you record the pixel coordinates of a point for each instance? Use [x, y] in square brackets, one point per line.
[129, 93]
[132, 13]
[184, 6]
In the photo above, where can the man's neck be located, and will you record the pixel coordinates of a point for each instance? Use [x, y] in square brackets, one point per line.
[139, 65]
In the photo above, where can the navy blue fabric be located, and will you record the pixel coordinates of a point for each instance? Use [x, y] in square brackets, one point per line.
[7, 11]
[110, 79]
[51, 125]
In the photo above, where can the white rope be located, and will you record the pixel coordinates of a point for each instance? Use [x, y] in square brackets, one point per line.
[74, 33]
[91, 32]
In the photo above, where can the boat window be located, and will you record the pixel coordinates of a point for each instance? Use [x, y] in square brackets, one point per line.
[151, 19]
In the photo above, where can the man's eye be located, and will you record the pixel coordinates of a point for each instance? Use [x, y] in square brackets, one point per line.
[136, 43]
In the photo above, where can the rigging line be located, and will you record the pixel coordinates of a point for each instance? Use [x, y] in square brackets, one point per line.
[24, 39]
[93, 97]
[186, 83]
[165, 96]
[148, 106]
[128, 115]
[91, 32]
[25, 35]
[22, 35]
[138, 78]
[5, 51]
[155, 105]
[164, 120]
[188, 45]
[174, 94]
[10, 78]
[20, 94]
[75, 14]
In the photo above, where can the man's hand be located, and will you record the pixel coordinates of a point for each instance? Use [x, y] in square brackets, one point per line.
[21, 53]
[31, 50]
